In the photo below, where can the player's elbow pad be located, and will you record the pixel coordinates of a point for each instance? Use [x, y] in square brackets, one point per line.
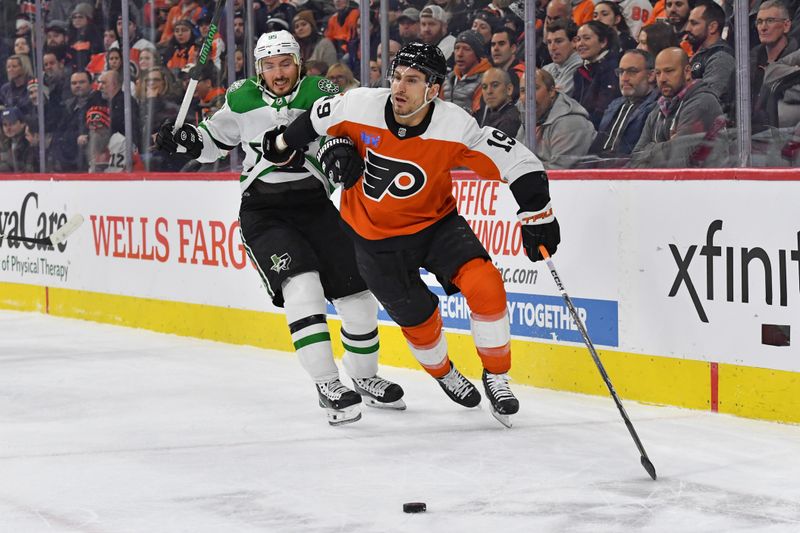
[531, 191]
[300, 132]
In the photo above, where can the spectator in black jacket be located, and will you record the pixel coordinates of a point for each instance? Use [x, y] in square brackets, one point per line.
[596, 84]
[623, 121]
[713, 59]
[497, 107]
[69, 151]
[14, 93]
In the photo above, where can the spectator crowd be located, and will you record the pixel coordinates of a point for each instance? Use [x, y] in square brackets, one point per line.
[617, 83]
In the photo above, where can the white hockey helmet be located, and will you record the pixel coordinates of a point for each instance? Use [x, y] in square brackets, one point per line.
[276, 43]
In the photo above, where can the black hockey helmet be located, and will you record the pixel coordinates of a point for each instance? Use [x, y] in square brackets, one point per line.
[426, 58]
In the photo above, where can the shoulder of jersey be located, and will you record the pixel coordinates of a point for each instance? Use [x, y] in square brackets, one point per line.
[449, 120]
[244, 95]
[323, 86]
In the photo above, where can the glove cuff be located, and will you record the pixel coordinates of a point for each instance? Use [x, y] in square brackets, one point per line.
[536, 218]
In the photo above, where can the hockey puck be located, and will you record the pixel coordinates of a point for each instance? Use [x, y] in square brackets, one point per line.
[415, 507]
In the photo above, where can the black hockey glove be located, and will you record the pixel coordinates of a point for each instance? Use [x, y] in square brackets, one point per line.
[187, 136]
[286, 158]
[340, 161]
[533, 235]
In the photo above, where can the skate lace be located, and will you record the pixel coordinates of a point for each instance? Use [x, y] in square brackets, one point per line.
[375, 385]
[457, 384]
[332, 389]
[498, 385]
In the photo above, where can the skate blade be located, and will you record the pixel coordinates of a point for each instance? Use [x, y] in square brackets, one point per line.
[348, 415]
[503, 419]
[397, 405]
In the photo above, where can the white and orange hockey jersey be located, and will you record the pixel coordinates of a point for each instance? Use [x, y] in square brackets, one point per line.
[407, 185]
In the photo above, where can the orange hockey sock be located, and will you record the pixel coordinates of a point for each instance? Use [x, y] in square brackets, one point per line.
[429, 345]
[481, 284]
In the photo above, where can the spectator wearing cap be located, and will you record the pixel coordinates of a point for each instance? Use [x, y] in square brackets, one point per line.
[313, 45]
[463, 85]
[13, 145]
[341, 24]
[68, 154]
[596, 83]
[497, 106]
[408, 25]
[184, 10]
[564, 132]
[14, 93]
[84, 36]
[485, 24]
[433, 30]
[180, 50]
[559, 36]
[57, 40]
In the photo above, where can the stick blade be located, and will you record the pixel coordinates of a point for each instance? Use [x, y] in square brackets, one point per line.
[649, 467]
[62, 233]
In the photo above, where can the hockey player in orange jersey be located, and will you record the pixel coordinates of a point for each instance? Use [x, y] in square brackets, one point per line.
[393, 149]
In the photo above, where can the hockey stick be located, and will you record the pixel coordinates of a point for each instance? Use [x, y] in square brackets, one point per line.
[645, 460]
[58, 236]
[201, 60]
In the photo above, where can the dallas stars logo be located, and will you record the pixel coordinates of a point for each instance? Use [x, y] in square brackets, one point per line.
[280, 262]
[327, 86]
[235, 85]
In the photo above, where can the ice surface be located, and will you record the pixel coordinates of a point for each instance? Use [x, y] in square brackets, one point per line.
[115, 430]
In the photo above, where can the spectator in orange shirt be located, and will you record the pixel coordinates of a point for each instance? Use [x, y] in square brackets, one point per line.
[582, 11]
[185, 9]
[341, 25]
[180, 49]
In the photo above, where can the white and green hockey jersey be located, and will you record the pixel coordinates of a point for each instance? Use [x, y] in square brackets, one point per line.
[249, 112]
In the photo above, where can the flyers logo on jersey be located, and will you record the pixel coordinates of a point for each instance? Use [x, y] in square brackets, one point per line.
[396, 177]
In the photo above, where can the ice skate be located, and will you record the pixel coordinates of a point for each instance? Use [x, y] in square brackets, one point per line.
[380, 393]
[340, 402]
[459, 389]
[502, 399]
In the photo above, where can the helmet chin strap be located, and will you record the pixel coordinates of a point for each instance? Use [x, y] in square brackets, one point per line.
[418, 109]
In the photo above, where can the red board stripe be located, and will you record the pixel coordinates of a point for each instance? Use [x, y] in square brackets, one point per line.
[714, 387]
[685, 174]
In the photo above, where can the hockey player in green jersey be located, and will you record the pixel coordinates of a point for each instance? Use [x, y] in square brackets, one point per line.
[291, 229]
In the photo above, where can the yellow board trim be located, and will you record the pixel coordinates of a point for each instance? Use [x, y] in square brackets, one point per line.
[743, 391]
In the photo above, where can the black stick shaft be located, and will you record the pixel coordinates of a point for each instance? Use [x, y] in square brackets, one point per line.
[646, 463]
